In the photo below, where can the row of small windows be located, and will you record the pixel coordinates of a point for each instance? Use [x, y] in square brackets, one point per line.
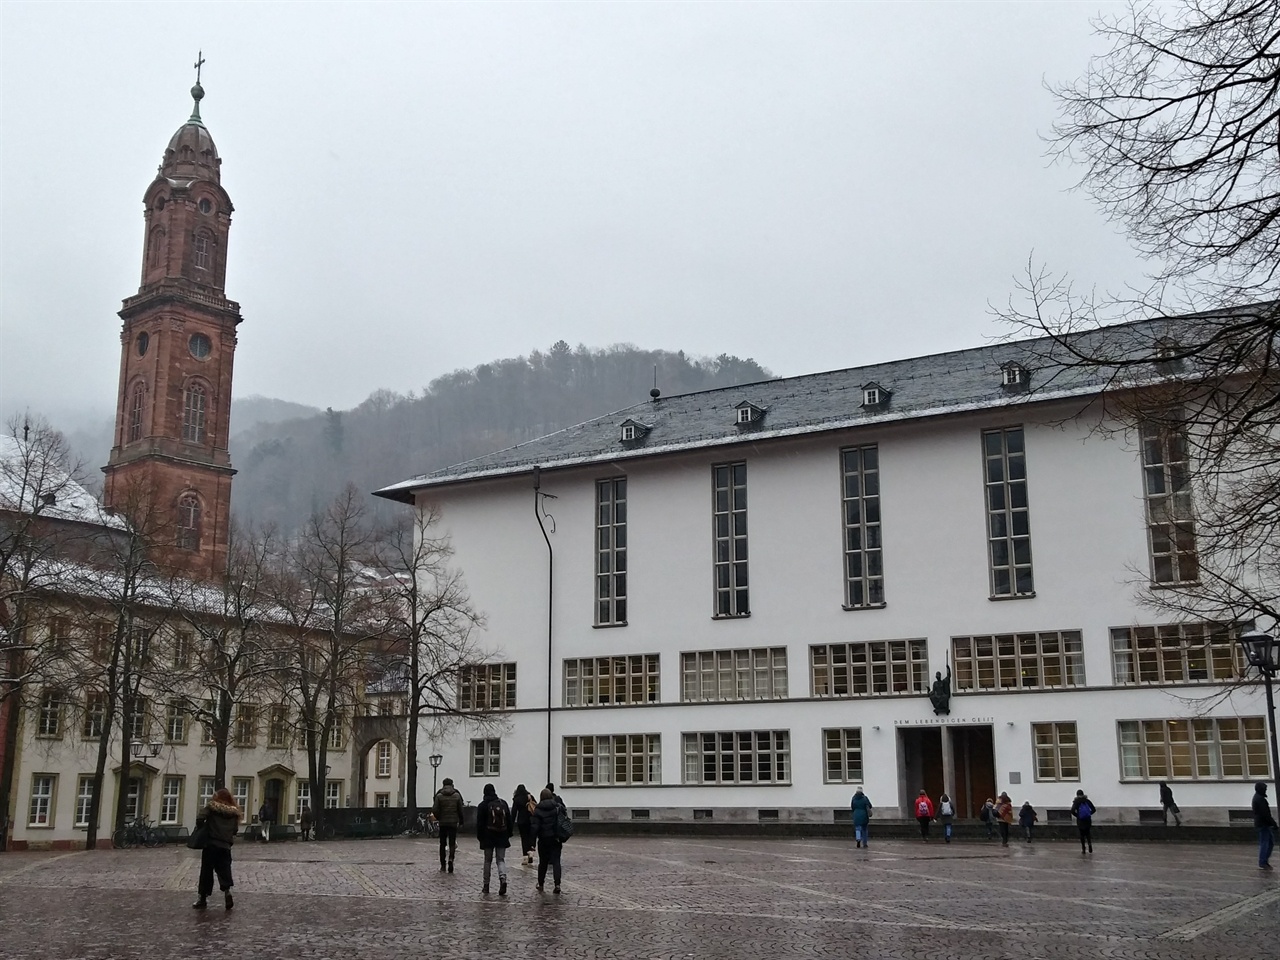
[1171, 532]
[1228, 748]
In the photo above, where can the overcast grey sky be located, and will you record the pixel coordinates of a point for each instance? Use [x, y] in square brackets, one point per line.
[423, 187]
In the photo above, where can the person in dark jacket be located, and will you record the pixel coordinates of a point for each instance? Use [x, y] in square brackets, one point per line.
[545, 815]
[861, 807]
[447, 809]
[221, 817]
[1082, 809]
[305, 821]
[494, 827]
[266, 817]
[522, 806]
[988, 816]
[1027, 819]
[1004, 817]
[1168, 805]
[1266, 824]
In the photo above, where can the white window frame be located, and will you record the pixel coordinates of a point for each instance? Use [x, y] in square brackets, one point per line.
[1019, 661]
[95, 715]
[244, 728]
[207, 786]
[303, 795]
[1208, 747]
[486, 757]
[723, 676]
[1166, 487]
[1174, 653]
[382, 761]
[171, 800]
[611, 551]
[730, 577]
[1056, 744]
[863, 532]
[487, 687]
[50, 710]
[869, 668]
[84, 799]
[332, 794]
[1008, 510]
[41, 804]
[606, 681]
[175, 722]
[277, 725]
[729, 757]
[242, 791]
[612, 760]
[842, 755]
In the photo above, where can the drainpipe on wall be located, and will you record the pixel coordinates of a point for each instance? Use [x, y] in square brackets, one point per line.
[538, 498]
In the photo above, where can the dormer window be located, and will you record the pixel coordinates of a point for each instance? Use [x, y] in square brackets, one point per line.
[1014, 376]
[629, 431]
[747, 413]
[874, 396]
[744, 414]
[632, 431]
[1167, 358]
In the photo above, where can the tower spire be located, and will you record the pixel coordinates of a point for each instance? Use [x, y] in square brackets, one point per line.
[197, 92]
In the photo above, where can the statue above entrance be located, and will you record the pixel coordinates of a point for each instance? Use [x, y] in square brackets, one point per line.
[940, 695]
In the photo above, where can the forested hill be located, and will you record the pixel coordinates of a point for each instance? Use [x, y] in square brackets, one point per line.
[289, 468]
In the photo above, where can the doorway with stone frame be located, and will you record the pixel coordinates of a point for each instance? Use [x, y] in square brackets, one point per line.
[958, 760]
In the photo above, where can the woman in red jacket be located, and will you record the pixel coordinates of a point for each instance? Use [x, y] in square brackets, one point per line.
[924, 813]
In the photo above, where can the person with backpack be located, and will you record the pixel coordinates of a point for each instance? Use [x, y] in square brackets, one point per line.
[447, 809]
[522, 806]
[1027, 818]
[1082, 809]
[1168, 805]
[924, 814]
[1004, 817]
[946, 812]
[546, 816]
[988, 816]
[861, 807]
[494, 827]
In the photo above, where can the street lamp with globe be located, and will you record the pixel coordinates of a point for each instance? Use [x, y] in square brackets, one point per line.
[435, 760]
[1263, 651]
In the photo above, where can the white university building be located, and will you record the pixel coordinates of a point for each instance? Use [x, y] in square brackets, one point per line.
[732, 604]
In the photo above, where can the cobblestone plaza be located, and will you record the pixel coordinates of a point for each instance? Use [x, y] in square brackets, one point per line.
[654, 898]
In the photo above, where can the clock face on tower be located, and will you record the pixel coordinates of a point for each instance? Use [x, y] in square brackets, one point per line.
[199, 346]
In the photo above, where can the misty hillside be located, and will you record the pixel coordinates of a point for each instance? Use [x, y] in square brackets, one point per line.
[287, 468]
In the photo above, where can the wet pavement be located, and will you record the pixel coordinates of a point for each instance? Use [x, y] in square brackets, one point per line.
[653, 898]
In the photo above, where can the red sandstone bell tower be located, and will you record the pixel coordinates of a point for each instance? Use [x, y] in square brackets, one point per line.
[170, 458]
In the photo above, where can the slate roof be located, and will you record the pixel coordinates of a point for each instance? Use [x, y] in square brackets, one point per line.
[920, 387]
[25, 476]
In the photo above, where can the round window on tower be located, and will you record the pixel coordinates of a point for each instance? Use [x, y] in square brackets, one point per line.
[144, 340]
[199, 345]
[206, 206]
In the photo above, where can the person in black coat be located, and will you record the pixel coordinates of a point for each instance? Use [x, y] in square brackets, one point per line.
[494, 827]
[545, 815]
[221, 818]
[1168, 805]
[1266, 824]
[522, 805]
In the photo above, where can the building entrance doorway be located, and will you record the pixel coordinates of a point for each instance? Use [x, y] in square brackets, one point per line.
[956, 760]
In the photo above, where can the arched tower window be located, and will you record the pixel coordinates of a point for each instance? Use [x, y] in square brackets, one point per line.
[157, 245]
[202, 251]
[193, 413]
[137, 404]
[189, 522]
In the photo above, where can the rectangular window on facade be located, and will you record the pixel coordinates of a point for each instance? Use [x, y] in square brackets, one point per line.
[485, 757]
[1057, 751]
[383, 759]
[338, 732]
[136, 728]
[182, 649]
[101, 636]
[863, 551]
[84, 800]
[171, 800]
[487, 686]
[1228, 748]
[597, 681]
[95, 714]
[382, 800]
[1166, 472]
[209, 708]
[611, 551]
[201, 252]
[40, 810]
[1019, 661]
[245, 728]
[277, 726]
[1176, 653]
[843, 752]
[49, 720]
[207, 788]
[1008, 514]
[304, 795]
[618, 760]
[870, 669]
[60, 634]
[333, 794]
[743, 756]
[135, 799]
[240, 787]
[175, 722]
[729, 531]
[758, 673]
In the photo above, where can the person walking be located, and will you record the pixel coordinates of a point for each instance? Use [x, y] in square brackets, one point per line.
[946, 812]
[924, 814]
[221, 818]
[494, 827]
[1082, 809]
[1168, 805]
[861, 806]
[1266, 824]
[266, 817]
[1027, 818]
[522, 807]
[988, 816]
[545, 815]
[1004, 817]
[448, 813]
[305, 821]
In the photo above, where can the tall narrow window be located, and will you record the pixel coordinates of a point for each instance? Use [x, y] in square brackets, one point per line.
[193, 413]
[863, 560]
[157, 247]
[202, 252]
[1171, 531]
[136, 406]
[189, 523]
[384, 759]
[611, 551]
[84, 800]
[730, 532]
[1008, 517]
[95, 715]
[171, 800]
[41, 808]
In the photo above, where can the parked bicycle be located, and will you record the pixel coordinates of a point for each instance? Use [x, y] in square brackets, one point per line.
[423, 823]
[138, 832]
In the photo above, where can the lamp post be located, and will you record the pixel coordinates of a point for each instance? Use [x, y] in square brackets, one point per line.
[1263, 651]
[145, 751]
[435, 760]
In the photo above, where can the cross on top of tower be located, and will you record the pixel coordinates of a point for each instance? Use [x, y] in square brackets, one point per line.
[197, 92]
[199, 63]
